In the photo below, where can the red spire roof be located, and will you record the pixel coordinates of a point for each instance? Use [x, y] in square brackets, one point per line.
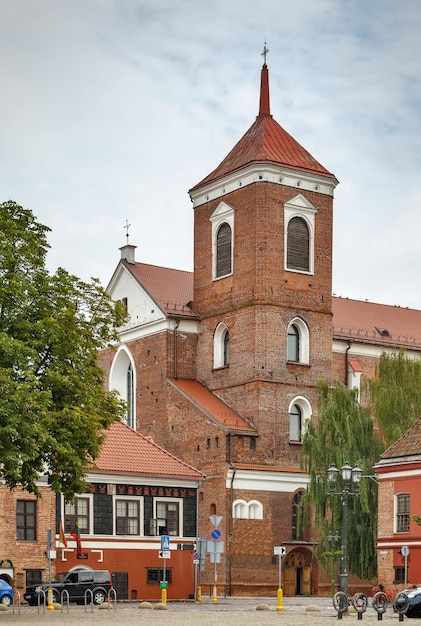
[266, 141]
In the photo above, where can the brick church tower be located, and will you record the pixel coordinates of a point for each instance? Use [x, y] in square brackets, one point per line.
[263, 282]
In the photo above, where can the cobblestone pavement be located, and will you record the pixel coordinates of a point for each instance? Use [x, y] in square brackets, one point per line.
[313, 611]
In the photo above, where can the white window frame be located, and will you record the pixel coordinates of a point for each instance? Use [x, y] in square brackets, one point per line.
[223, 213]
[82, 496]
[118, 381]
[306, 413]
[138, 499]
[247, 510]
[219, 346]
[180, 513]
[299, 206]
[304, 340]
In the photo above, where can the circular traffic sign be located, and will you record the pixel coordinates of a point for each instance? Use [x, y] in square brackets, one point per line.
[216, 534]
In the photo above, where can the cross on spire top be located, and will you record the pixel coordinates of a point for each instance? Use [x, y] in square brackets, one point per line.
[126, 228]
[264, 53]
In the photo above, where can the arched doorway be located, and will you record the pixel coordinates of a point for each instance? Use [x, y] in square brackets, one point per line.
[297, 573]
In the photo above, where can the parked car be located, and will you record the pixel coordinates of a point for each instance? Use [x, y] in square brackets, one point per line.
[6, 593]
[77, 583]
[414, 596]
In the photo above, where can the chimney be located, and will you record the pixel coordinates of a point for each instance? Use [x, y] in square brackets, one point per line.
[127, 253]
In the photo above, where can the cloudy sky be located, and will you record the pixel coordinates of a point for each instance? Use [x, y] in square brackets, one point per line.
[111, 110]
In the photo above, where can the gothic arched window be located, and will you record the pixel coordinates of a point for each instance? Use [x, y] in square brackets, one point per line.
[298, 245]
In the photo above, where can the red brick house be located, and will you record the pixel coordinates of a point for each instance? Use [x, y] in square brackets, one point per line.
[138, 491]
[220, 365]
[399, 476]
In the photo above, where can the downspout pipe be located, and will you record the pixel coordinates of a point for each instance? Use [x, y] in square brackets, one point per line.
[177, 324]
[346, 361]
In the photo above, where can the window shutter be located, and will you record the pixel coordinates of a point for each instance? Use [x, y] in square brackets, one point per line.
[223, 250]
[298, 257]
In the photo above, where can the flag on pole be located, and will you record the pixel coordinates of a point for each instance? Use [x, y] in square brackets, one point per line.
[62, 537]
[76, 536]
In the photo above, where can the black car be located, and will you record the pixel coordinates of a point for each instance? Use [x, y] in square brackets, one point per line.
[76, 583]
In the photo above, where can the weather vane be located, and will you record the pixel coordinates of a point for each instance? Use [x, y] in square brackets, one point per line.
[264, 53]
[126, 228]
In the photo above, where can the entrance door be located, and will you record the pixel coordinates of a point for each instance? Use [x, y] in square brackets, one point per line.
[297, 574]
[289, 581]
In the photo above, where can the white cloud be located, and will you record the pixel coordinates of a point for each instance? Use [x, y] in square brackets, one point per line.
[113, 110]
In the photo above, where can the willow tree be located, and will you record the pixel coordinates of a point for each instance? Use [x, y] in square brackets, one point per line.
[395, 395]
[344, 432]
[54, 405]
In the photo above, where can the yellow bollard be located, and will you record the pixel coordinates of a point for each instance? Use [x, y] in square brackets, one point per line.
[279, 607]
[50, 606]
[214, 598]
[164, 596]
[199, 594]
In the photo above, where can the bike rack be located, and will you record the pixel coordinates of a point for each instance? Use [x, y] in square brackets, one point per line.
[44, 596]
[380, 604]
[16, 593]
[340, 603]
[65, 600]
[112, 598]
[401, 604]
[89, 591]
[360, 602]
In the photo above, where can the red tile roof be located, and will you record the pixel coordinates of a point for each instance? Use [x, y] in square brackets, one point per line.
[171, 289]
[266, 141]
[408, 445]
[213, 406]
[376, 323]
[126, 451]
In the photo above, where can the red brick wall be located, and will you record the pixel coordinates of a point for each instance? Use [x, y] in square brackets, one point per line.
[26, 554]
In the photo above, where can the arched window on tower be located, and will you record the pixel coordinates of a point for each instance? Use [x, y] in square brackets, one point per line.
[222, 220]
[298, 341]
[299, 414]
[298, 245]
[223, 250]
[221, 347]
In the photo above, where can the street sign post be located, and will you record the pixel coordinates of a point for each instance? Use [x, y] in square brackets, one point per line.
[215, 548]
[280, 551]
[165, 552]
[405, 554]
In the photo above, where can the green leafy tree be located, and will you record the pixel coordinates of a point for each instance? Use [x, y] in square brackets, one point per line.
[344, 432]
[54, 406]
[395, 395]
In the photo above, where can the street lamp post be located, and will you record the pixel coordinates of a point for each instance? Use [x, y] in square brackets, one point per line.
[351, 478]
[332, 539]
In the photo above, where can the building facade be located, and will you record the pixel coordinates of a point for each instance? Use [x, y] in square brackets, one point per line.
[399, 525]
[220, 365]
[138, 492]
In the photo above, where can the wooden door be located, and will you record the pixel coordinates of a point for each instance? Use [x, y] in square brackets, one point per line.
[289, 581]
[306, 581]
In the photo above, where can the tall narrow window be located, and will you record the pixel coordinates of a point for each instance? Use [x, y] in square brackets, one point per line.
[226, 348]
[293, 343]
[130, 397]
[127, 517]
[26, 518]
[402, 513]
[223, 250]
[295, 423]
[77, 511]
[168, 519]
[297, 532]
[221, 346]
[298, 248]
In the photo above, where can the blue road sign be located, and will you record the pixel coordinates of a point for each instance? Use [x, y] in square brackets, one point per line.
[165, 542]
[216, 534]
